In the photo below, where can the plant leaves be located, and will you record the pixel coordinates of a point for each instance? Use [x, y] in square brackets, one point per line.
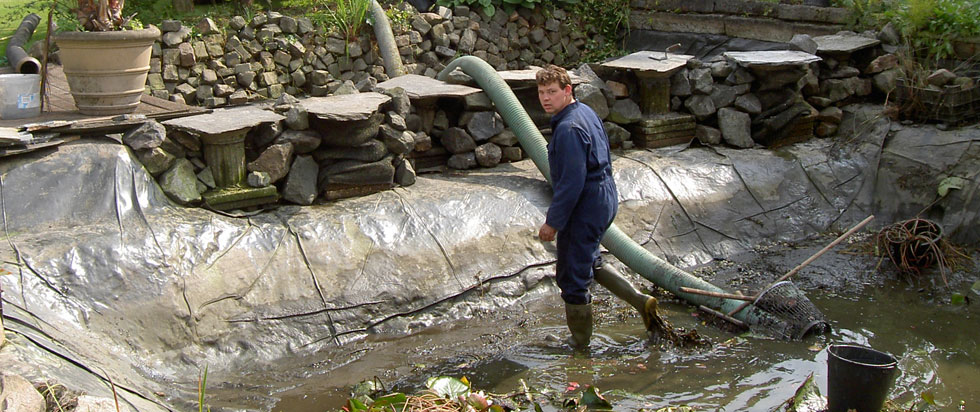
[354, 405]
[949, 183]
[395, 400]
[489, 10]
[448, 387]
[976, 287]
[928, 397]
[957, 299]
[594, 400]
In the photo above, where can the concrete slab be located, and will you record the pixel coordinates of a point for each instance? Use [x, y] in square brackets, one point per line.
[773, 58]
[345, 107]
[843, 43]
[421, 87]
[650, 61]
[222, 121]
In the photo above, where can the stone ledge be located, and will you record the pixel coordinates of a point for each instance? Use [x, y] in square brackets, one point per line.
[831, 15]
[790, 12]
[756, 28]
[686, 6]
[685, 23]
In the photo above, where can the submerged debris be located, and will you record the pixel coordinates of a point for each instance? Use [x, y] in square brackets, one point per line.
[663, 332]
[913, 245]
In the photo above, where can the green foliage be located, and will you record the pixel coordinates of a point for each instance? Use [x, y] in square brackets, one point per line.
[399, 15]
[609, 20]
[448, 387]
[346, 17]
[202, 385]
[929, 26]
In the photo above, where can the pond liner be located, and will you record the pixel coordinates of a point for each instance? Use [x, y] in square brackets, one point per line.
[646, 264]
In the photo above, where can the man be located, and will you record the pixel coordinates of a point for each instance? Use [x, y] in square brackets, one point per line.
[584, 205]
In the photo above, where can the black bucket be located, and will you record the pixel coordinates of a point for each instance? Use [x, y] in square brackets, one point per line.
[858, 378]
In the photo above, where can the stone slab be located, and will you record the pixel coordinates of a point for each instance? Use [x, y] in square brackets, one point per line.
[526, 77]
[345, 107]
[422, 87]
[651, 62]
[843, 43]
[682, 23]
[664, 119]
[773, 58]
[221, 121]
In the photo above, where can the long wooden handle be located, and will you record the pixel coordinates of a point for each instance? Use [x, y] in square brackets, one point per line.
[716, 294]
[808, 261]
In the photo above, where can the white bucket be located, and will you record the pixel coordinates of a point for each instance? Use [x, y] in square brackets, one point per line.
[20, 96]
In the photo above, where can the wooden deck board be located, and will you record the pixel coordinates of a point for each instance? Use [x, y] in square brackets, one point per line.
[61, 106]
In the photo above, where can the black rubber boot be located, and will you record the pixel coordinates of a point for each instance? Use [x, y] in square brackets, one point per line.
[611, 279]
[579, 319]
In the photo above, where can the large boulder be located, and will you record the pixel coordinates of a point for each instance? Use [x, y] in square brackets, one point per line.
[485, 125]
[352, 172]
[148, 135]
[701, 106]
[624, 111]
[303, 141]
[462, 161]
[487, 154]
[348, 133]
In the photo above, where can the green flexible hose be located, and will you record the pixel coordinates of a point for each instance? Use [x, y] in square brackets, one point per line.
[386, 41]
[619, 244]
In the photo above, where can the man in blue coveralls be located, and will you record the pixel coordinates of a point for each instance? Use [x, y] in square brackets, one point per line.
[584, 205]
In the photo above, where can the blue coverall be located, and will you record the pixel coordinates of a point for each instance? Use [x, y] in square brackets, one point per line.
[585, 199]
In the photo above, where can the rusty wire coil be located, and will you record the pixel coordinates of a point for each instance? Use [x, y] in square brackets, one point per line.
[914, 245]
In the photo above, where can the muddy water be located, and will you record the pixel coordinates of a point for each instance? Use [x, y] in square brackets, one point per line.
[936, 344]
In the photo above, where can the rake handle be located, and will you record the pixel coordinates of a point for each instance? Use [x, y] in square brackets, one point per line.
[808, 261]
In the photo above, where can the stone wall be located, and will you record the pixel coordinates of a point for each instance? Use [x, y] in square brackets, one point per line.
[758, 20]
[275, 54]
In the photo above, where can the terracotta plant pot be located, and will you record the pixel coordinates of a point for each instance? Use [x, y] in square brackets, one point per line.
[106, 71]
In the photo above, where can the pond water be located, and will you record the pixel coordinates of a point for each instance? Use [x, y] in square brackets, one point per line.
[936, 344]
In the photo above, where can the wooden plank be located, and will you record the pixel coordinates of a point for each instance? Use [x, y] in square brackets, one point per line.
[32, 147]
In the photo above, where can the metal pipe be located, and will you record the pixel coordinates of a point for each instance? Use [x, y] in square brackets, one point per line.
[18, 58]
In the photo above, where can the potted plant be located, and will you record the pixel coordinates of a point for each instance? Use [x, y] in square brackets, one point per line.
[107, 61]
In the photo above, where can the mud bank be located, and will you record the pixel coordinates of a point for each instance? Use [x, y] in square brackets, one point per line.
[110, 278]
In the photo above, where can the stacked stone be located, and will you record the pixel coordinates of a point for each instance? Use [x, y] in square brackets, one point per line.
[275, 54]
[611, 101]
[718, 94]
[306, 157]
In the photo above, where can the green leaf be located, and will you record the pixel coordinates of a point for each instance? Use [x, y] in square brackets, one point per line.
[950, 183]
[976, 287]
[448, 387]
[957, 299]
[807, 395]
[928, 397]
[489, 10]
[537, 407]
[513, 1]
[354, 405]
[395, 400]
[592, 399]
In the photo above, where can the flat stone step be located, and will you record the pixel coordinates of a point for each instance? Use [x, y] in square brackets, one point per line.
[772, 59]
[345, 107]
[656, 62]
[843, 43]
[664, 119]
[527, 77]
[423, 87]
[222, 121]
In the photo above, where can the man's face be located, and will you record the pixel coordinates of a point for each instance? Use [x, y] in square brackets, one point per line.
[553, 98]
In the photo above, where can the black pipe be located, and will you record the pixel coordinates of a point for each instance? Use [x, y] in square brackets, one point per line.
[18, 58]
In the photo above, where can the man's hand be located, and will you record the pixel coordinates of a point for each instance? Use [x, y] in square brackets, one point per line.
[546, 233]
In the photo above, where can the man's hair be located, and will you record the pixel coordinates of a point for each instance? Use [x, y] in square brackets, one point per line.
[552, 74]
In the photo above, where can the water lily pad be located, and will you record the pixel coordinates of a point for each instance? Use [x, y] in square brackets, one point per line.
[448, 387]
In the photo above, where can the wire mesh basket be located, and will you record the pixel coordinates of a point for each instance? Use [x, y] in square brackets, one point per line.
[793, 314]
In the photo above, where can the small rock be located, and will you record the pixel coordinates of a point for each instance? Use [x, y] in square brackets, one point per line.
[485, 125]
[18, 395]
[615, 133]
[462, 161]
[297, 118]
[889, 35]
[735, 127]
[405, 174]
[505, 138]
[940, 78]
[397, 142]
[156, 160]
[423, 142]
[721, 69]
[478, 102]
[457, 141]
[707, 135]
[513, 154]
[148, 135]
[624, 111]
[887, 80]
[700, 106]
[804, 43]
[300, 187]
[825, 129]
[701, 81]
[205, 176]
[488, 154]
[591, 96]
[274, 160]
[882, 63]
[259, 179]
[180, 183]
[831, 114]
[303, 141]
[619, 90]
[749, 103]
[679, 84]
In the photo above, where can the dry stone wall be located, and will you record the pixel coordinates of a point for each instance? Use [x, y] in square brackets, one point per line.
[274, 54]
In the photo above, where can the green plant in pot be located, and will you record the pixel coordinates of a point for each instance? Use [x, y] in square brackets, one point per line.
[107, 61]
